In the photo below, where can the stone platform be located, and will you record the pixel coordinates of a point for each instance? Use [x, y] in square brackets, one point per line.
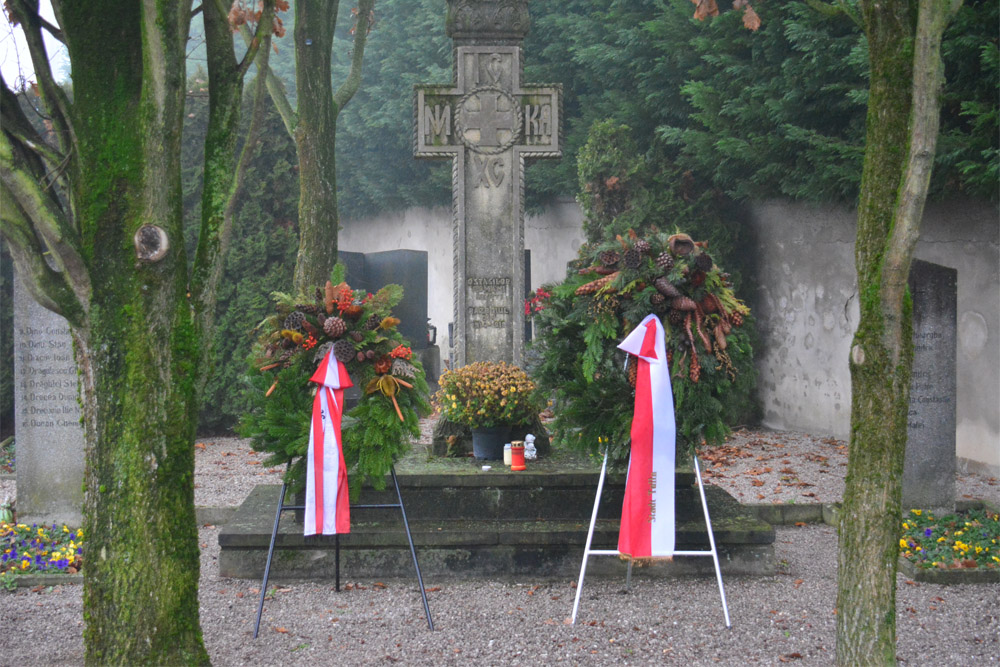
[490, 524]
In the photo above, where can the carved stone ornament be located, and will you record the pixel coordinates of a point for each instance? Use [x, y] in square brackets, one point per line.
[487, 18]
[493, 115]
[151, 243]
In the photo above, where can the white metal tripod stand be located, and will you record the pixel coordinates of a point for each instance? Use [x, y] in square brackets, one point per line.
[588, 552]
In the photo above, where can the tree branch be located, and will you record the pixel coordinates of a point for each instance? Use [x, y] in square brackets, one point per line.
[47, 286]
[353, 81]
[276, 89]
[54, 97]
[925, 116]
[264, 27]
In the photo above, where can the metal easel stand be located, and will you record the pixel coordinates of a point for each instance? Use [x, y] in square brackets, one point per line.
[588, 552]
[282, 507]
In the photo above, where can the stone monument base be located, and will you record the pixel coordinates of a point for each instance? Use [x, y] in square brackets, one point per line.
[492, 525]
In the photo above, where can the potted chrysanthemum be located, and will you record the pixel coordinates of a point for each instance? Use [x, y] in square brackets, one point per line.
[487, 397]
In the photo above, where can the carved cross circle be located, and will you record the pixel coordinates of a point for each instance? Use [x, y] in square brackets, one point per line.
[488, 109]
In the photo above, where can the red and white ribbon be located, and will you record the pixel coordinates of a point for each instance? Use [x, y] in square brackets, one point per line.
[647, 526]
[328, 509]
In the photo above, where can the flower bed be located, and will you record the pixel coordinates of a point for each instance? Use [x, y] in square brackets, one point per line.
[27, 550]
[964, 540]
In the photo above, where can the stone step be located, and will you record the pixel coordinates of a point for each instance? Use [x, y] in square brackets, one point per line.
[486, 526]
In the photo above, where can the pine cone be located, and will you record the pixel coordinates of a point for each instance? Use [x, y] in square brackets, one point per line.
[360, 356]
[683, 303]
[373, 322]
[343, 350]
[736, 318]
[657, 299]
[595, 285]
[357, 336]
[704, 261]
[609, 257]
[632, 259]
[676, 317]
[403, 368]
[643, 246]
[334, 327]
[308, 308]
[294, 320]
[665, 261]
[666, 288]
[285, 356]
[633, 369]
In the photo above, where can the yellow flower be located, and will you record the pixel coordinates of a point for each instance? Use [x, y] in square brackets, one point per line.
[79, 533]
[902, 543]
[958, 532]
[24, 564]
[65, 528]
[917, 512]
[940, 539]
[979, 550]
[906, 526]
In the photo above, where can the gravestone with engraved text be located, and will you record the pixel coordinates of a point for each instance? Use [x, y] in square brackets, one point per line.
[929, 464]
[49, 436]
[489, 123]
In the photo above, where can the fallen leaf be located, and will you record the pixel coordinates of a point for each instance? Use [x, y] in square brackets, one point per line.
[798, 582]
[801, 524]
[379, 584]
[761, 496]
[239, 594]
[283, 631]
[435, 589]
[910, 582]
[200, 445]
[757, 482]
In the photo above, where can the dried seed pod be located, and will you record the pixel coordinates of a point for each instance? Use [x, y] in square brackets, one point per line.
[704, 261]
[681, 244]
[609, 257]
[294, 320]
[343, 350]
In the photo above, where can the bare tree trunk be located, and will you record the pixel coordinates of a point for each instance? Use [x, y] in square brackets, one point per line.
[904, 52]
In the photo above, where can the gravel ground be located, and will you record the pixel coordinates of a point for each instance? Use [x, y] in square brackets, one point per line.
[785, 618]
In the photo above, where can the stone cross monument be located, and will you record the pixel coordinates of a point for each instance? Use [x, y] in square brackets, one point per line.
[489, 123]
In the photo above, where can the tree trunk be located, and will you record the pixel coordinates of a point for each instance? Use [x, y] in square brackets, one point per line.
[138, 350]
[901, 133]
[315, 138]
[315, 131]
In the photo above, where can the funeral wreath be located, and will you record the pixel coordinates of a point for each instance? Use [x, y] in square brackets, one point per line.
[610, 288]
[361, 332]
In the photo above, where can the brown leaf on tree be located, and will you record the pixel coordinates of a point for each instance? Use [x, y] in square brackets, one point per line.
[750, 19]
[705, 8]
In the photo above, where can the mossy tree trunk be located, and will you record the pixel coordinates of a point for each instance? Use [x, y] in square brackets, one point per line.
[314, 128]
[136, 311]
[904, 39]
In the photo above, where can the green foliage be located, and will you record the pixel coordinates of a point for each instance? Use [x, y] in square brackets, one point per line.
[607, 292]
[280, 399]
[262, 248]
[960, 540]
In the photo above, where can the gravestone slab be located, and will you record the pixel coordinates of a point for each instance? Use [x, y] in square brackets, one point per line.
[406, 268]
[489, 123]
[49, 436]
[929, 464]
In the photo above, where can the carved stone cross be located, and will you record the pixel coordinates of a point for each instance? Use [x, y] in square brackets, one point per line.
[489, 123]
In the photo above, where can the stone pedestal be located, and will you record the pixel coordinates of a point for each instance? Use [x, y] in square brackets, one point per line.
[49, 436]
[929, 467]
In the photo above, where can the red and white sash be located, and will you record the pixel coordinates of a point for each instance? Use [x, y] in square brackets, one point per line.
[328, 509]
[647, 526]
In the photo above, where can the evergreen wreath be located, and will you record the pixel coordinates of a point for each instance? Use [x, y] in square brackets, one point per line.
[609, 290]
[361, 331]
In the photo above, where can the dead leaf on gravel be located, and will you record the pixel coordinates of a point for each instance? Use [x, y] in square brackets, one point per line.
[757, 482]
[435, 589]
[790, 656]
[798, 582]
[568, 621]
[761, 496]
[379, 584]
[801, 524]
[283, 631]
[787, 471]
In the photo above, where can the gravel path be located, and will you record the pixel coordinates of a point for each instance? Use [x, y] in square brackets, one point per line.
[785, 618]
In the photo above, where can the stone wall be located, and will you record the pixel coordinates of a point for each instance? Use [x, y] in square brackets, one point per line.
[806, 305]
